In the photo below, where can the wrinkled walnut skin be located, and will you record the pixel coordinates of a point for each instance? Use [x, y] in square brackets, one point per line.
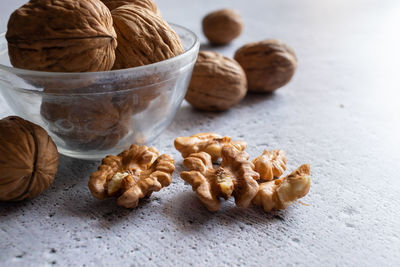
[210, 143]
[269, 64]
[143, 37]
[217, 83]
[222, 26]
[62, 36]
[204, 178]
[149, 171]
[147, 4]
[29, 159]
[281, 193]
[270, 165]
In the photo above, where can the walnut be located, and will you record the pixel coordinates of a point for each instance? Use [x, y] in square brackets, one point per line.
[62, 36]
[29, 159]
[270, 165]
[133, 174]
[269, 64]
[222, 26]
[234, 177]
[281, 193]
[147, 4]
[143, 37]
[86, 122]
[217, 83]
[210, 143]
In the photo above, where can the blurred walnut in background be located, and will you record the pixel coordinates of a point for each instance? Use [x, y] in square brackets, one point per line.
[222, 26]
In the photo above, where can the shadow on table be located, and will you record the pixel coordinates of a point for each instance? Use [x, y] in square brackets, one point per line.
[190, 216]
[187, 116]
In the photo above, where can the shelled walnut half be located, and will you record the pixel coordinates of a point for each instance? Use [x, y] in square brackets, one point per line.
[281, 193]
[271, 164]
[133, 174]
[234, 177]
[210, 143]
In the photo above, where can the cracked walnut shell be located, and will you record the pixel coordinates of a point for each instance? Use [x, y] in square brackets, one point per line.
[210, 143]
[217, 83]
[29, 159]
[222, 26]
[143, 37]
[234, 177]
[268, 64]
[270, 165]
[147, 4]
[62, 36]
[281, 193]
[133, 174]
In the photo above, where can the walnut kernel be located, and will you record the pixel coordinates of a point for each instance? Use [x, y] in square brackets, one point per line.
[281, 193]
[270, 165]
[210, 143]
[234, 177]
[133, 174]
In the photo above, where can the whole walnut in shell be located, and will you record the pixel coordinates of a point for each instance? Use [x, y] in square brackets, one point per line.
[62, 36]
[29, 159]
[222, 26]
[217, 83]
[143, 37]
[147, 4]
[86, 122]
[268, 64]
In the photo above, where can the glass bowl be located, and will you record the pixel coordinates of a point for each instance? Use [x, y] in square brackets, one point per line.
[93, 114]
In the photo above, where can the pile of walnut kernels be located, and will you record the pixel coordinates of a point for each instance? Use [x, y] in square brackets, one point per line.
[116, 34]
[139, 171]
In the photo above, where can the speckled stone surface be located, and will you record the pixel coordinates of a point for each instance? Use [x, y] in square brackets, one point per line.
[341, 114]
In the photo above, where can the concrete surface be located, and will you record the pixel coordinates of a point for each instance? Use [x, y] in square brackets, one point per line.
[341, 114]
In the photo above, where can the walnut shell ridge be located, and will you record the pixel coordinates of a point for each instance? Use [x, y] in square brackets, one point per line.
[62, 36]
[143, 37]
[29, 159]
[217, 83]
[147, 4]
[268, 64]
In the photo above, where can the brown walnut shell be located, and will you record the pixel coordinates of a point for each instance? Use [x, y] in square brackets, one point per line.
[217, 84]
[268, 64]
[94, 122]
[143, 38]
[147, 4]
[62, 36]
[29, 159]
[222, 26]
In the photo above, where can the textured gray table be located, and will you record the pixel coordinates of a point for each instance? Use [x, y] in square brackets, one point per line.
[341, 114]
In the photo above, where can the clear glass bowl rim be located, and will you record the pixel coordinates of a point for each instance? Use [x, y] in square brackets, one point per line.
[72, 75]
